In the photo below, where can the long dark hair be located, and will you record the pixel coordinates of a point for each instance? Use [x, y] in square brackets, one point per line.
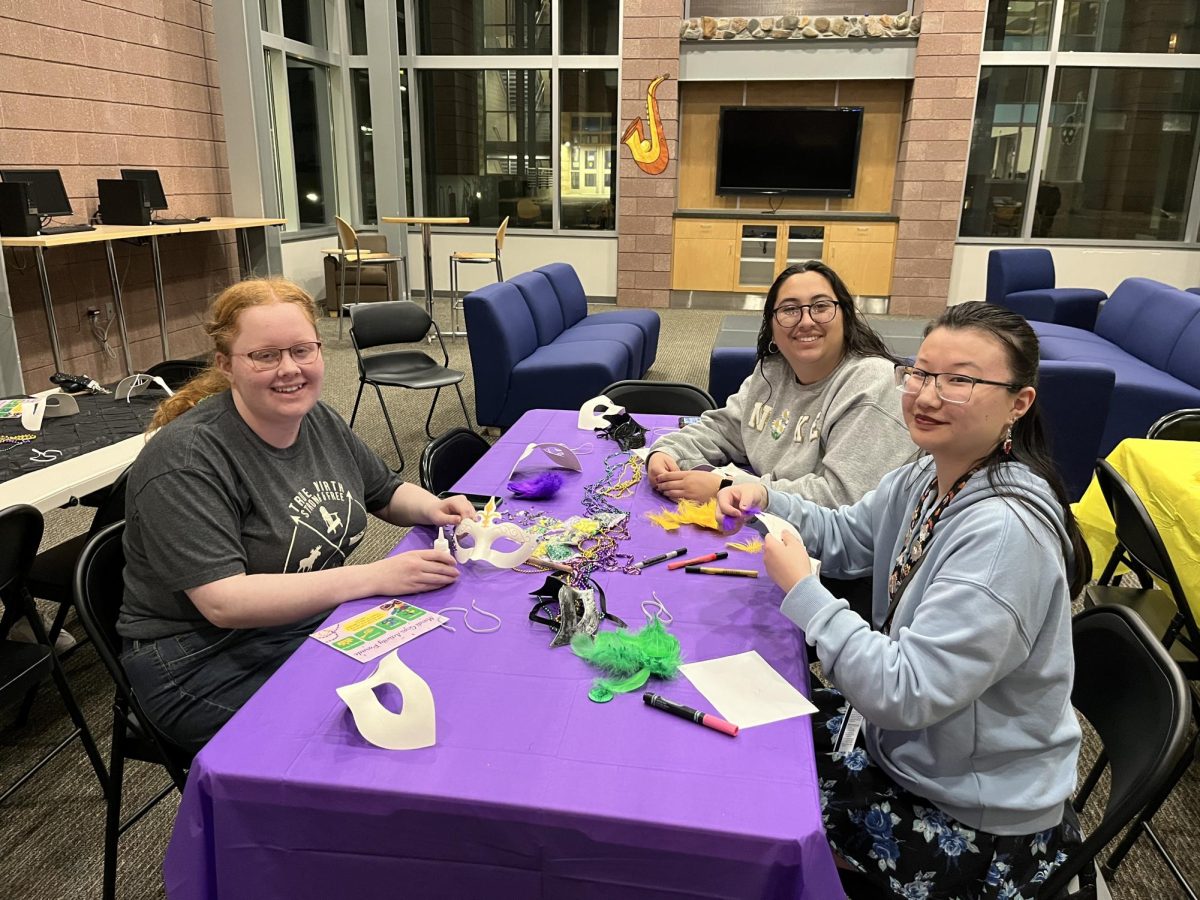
[1030, 444]
[860, 338]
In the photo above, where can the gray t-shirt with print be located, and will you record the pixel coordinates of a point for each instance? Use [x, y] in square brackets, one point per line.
[207, 499]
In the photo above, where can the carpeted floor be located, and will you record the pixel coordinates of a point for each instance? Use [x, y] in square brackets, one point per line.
[51, 831]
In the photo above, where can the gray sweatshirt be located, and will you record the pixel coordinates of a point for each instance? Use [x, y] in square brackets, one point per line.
[830, 441]
[968, 700]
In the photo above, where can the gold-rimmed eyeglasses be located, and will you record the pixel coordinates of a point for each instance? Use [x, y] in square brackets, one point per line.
[266, 358]
[950, 386]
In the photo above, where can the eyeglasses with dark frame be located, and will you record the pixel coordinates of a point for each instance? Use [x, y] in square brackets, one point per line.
[950, 386]
[264, 359]
[820, 311]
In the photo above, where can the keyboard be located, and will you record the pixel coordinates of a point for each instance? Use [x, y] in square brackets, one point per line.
[172, 221]
[65, 229]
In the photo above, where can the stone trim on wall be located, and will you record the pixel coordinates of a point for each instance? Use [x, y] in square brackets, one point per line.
[783, 28]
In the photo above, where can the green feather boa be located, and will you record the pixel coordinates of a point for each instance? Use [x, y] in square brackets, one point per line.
[629, 658]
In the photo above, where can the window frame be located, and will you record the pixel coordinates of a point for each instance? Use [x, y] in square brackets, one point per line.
[1051, 60]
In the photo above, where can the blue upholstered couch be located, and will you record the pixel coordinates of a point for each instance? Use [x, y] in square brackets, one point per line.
[1148, 333]
[533, 344]
[1023, 280]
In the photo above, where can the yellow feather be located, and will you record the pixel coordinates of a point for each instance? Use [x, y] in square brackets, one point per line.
[754, 545]
[688, 512]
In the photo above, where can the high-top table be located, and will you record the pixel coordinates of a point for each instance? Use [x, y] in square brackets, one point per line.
[427, 223]
[531, 789]
[106, 234]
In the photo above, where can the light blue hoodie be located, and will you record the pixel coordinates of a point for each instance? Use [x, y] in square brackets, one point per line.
[968, 700]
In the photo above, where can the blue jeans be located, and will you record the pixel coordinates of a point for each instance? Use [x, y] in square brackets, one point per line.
[191, 684]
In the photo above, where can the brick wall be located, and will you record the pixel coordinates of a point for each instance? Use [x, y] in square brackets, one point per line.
[645, 204]
[933, 153]
[88, 87]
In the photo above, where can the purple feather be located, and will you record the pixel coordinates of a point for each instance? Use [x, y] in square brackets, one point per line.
[541, 486]
[733, 523]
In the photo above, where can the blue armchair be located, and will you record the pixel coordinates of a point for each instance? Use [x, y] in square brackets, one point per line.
[1074, 398]
[1023, 280]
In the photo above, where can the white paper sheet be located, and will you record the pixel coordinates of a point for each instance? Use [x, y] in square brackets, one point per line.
[746, 691]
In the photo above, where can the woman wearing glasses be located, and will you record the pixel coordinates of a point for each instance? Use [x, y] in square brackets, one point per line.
[949, 748]
[242, 510]
[817, 416]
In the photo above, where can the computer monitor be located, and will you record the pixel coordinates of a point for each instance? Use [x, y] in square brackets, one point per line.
[151, 185]
[46, 186]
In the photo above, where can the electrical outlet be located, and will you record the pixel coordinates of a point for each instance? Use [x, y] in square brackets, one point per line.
[110, 312]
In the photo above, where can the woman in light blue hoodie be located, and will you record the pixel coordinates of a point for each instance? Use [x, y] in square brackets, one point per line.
[948, 751]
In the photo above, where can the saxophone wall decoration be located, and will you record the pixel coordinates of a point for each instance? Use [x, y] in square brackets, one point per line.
[650, 155]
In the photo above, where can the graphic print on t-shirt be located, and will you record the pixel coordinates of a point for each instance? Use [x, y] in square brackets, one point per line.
[323, 516]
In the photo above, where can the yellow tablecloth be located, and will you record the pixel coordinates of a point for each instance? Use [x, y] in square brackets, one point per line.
[1166, 475]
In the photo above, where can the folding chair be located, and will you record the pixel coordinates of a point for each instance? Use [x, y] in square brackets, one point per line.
[448, 457]
[23, 666]
[673, 398]
[99, 586]
[400, 322]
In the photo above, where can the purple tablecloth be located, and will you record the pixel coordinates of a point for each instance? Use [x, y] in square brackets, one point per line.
[532, 790]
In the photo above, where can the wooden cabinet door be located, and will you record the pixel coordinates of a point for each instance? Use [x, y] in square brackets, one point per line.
[702, 265]
[864, 256]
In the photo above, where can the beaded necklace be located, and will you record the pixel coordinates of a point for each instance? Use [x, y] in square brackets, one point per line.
[16, 440]
[622, 472]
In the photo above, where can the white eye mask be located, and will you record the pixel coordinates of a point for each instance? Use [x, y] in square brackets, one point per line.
[485, 531]
[765, 523]
[559, 455]
[415, 726]
[48, 406]
[592, 413]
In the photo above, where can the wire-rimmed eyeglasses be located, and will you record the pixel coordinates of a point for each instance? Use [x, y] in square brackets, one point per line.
[950, 386]
[267, 358]
[820, 311]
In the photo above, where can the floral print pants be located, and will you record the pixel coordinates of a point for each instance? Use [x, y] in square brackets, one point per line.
[907, 846]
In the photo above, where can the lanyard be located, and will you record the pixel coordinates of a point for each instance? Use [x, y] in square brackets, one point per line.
[913, 552]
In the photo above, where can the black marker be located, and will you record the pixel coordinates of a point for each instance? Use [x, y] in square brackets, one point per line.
[708, 720]
[662, 557]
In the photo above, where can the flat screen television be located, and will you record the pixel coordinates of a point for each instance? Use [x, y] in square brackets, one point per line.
[789, 150]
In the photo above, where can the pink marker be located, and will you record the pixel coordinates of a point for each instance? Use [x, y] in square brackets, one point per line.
[708, 720]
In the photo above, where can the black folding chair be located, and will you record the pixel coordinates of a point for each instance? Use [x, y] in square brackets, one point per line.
[99, 587]
[1133, 694]
[1181, 425]
[1167, 613]
[53, 572]
[177, 372]
[23, 666]
[400, 322]
[448, 457]
[673, 398]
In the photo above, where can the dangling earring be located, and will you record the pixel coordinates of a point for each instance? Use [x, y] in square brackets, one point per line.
[772, 347]
[1006, 447]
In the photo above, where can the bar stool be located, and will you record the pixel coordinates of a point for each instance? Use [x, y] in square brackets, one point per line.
[469, 259]
[349, 253]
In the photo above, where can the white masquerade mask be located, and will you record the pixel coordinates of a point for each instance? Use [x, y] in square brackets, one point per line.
[560, 456]
[133, 385]
[415, 726]
[485, 531]
[765, 523]
[592, 413]
[48, 406]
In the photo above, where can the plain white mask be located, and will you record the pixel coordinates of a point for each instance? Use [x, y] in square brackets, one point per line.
[485, 532]
[592, 413]
[560, 456]
[414, 727]
[47, 406]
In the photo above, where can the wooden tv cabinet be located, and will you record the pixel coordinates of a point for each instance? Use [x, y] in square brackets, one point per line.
[728, 252]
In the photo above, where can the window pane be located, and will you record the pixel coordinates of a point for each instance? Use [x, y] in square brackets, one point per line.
[1018, 25]
[304, 21]
[487, 145]
[484, 26]
[1120, 154]
[1129, 27]
[588, 131]
[408, 169]
[361, 84]
[1002, 138]
[590, 27]
[312, 144]
[356, 13]
[402, 35]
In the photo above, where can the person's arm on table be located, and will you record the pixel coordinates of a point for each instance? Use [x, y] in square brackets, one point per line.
[716, 440]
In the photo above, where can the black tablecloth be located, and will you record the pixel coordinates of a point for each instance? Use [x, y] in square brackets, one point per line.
[101, 421]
